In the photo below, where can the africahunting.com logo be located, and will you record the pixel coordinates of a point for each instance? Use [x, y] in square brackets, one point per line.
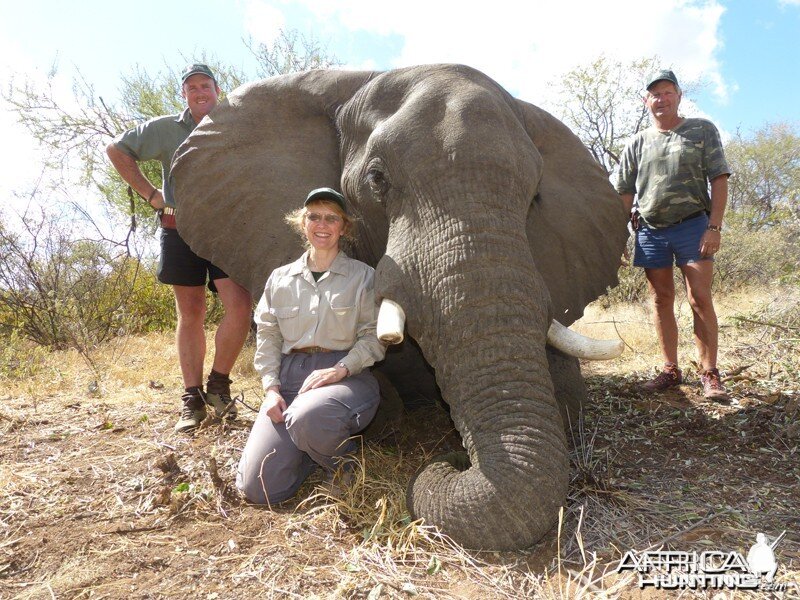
[712, 569]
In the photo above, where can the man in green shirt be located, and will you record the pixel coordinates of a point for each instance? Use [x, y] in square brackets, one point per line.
[188, 273]
[669, 167]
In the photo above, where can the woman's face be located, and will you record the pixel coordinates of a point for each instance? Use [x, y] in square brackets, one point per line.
[323, 226]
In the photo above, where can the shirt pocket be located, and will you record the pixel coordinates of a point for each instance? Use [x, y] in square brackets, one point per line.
[288, 321]
[345, 319]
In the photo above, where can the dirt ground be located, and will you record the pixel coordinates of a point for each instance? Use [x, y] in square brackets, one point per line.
[99, 498]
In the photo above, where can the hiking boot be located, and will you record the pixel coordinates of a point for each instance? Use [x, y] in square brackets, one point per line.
[712, 386]
[223, 405]
[193, 412]
[337, 483]
[218, 396]
[670, 376]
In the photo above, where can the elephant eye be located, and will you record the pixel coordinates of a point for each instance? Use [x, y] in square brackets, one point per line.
[377, 181]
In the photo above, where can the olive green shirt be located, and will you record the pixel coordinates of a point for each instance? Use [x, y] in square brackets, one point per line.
[670, 171]
[337, 312]
[157, 139]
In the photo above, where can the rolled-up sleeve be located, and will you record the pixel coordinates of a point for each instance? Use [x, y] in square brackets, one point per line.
[269, 341]
[368, 349]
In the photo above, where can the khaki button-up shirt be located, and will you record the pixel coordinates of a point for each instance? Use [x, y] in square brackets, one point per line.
[337, 312]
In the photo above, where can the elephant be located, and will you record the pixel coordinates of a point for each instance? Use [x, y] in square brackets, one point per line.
[485, 218]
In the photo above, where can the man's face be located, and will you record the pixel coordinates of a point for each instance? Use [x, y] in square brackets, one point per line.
[201, 94]
[663, 100]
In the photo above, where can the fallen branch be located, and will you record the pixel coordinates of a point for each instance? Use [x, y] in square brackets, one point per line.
[765, 323]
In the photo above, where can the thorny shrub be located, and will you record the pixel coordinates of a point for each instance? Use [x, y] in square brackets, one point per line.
[61, 292]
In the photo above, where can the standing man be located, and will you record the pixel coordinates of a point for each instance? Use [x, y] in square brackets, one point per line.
[669, 166]
[178, 266]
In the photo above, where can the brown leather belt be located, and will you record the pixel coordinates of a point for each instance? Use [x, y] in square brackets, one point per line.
[167, 216]
[310, 350]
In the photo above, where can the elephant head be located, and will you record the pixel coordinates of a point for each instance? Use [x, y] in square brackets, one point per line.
[484, 216]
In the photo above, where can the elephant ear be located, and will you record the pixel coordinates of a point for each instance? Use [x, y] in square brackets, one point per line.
[577, 224]
[252, 160]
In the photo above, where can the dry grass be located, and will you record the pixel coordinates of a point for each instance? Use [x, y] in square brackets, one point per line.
[100, 498]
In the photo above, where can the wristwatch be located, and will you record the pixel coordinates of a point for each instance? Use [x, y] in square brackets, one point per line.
[714, 228]
[344, 366]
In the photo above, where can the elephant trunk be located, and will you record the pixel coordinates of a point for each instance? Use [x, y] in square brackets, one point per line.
[488, 349]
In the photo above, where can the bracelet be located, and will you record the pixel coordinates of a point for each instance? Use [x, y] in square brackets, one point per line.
[150, 197]
[717, 228]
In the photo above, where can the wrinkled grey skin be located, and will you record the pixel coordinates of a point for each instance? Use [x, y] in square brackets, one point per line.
[484, 217]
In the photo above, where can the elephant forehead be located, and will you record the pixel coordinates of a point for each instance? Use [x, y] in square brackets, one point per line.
[432, 95]
[442, 112]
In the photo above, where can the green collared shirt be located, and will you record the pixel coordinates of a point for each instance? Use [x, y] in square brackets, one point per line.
[157, 139]
[337, 312]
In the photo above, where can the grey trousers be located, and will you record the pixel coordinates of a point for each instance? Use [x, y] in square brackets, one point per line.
[317, 426]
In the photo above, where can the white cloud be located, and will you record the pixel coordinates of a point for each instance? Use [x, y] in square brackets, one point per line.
[262, 20]
[525, 46]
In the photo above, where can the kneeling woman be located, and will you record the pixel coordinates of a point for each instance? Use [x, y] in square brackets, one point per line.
[316, 338]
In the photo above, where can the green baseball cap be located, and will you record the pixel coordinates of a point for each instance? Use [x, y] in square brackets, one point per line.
[195, 69]
[325, 193]
[663, 75]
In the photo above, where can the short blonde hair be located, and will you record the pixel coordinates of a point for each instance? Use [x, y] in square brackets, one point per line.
[296, 219]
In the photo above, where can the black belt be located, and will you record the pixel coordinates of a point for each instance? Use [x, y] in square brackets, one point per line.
[694, 215]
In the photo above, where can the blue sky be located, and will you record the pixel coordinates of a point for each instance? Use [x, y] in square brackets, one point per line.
[746, 51]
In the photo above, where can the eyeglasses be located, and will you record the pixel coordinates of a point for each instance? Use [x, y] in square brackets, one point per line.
[329, 218]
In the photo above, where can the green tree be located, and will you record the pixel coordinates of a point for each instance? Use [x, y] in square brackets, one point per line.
[765, 185]
[602, 103]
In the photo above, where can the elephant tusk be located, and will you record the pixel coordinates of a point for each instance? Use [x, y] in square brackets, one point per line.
[391, 322]
[577, 345]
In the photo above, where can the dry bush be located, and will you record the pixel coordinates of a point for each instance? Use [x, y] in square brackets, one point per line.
[20, 358]
[60, 288]
[753, 258]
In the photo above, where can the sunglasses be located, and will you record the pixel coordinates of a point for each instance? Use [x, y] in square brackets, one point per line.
[330, 218]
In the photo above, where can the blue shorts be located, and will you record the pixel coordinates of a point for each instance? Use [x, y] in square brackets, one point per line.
[677, 244]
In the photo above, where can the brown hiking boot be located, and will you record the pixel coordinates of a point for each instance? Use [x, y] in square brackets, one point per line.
[712, 386]
[670, 376]
[218, 396]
